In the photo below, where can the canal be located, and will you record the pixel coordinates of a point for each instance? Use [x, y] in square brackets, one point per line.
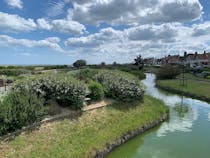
[185, 135]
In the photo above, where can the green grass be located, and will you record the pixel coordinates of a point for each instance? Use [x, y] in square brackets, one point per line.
[80, 138]
[200, 89]
[191, 76]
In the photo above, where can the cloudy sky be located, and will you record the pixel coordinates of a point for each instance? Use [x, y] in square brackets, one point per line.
[62, 31]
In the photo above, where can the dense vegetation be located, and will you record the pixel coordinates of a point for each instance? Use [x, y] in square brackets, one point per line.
[120, 85]
[26, 101]
[64, 89]
[96, 91]
[81, 137]
[19, 109]
[168, 72]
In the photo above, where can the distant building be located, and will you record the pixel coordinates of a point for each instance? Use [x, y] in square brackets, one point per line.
[193, 60]
[198, 60]
[149, 61]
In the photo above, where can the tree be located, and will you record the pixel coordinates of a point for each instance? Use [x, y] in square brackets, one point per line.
[79, 63]
[185, 54]
[103, 64]
[114, 63]
[139, 62]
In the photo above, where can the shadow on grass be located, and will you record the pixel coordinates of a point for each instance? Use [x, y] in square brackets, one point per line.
[125, 106]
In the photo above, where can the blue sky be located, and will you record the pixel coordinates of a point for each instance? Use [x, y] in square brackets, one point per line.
[62, 31]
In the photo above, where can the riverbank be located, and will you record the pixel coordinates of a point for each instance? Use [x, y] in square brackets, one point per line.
[194, 89]
[89, 134]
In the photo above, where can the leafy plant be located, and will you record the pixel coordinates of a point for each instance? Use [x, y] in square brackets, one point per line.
[96, 91]
[20, 108]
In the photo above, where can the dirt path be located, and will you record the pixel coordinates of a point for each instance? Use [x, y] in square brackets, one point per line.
[97, 105]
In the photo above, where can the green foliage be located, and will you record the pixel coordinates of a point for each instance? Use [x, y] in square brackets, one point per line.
[85, 74]
[19, 109]
[96, 91]
[64, 89]
[14, 72]
[139, 62]
[167, 72]
[120, 85]
[79, 63]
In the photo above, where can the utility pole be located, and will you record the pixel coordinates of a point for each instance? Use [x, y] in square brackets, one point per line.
[183, 69]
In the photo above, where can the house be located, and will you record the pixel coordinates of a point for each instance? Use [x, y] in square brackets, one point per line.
[198, 60]
[149, 61]
[174, 60]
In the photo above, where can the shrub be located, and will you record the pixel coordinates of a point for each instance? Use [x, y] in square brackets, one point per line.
[120, 85]
[167, 72]
[19, 109]
[64, 89]
[96, 91]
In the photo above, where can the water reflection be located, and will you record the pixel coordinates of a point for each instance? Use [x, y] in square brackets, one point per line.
[209, 116]
[183, 124]
[178, 121]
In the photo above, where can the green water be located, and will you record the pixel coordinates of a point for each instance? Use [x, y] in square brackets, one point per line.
[185, 135]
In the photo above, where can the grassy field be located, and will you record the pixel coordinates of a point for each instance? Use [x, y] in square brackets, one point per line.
[80, 138]
[198, 88]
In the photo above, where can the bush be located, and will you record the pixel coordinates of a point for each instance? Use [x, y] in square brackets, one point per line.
[64, 89]
[19, 109]
[120, 85]
[96, 91]
[167, 72]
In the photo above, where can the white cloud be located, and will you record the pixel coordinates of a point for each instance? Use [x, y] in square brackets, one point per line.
[201, 29]
[94, 40]
[148, 40]
[62, 25]
[44, 24]
[51, 42]
[15, 3]
[15, 23]
[129, 12]
[178, 124]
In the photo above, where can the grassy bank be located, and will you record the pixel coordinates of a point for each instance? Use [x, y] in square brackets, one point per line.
[193, 77]
[195, 89]
[83, 136]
